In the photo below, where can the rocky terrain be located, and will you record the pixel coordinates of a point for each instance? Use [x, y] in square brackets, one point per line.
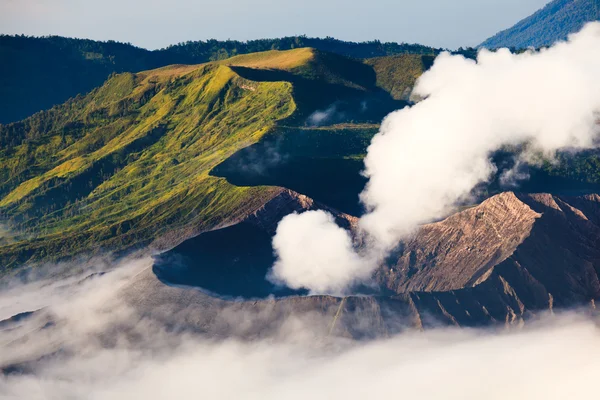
[504, 261]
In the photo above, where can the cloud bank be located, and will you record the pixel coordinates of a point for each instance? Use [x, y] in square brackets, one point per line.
[429, 157]
[555, 358]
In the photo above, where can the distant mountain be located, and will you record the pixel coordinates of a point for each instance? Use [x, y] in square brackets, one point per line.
[554, 22]
[38, 73]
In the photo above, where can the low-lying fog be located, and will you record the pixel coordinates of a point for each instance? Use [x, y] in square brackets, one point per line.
[83, 352]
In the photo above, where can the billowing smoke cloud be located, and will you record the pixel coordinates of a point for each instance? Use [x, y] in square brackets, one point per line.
[320, 256]
[554, 358]
[429, 157]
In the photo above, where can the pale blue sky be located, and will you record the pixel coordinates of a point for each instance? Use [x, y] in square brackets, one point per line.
[158, 23]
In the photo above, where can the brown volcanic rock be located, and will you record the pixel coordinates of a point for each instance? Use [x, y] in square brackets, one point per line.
[191, 309]
[504, 260]
[460, 250]
[286, 202]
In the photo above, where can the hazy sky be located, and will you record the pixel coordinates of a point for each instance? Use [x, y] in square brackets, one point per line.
[158, 23]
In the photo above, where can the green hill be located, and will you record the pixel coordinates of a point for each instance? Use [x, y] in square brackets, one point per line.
[554, 22]
[398, 74]
[38, 73]
[130, 162]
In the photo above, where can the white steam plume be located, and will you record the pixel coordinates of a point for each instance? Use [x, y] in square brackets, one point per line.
[319, 257]
[428, 157]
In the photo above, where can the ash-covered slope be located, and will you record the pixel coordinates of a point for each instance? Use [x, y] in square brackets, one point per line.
[504, 261]
[460, 250]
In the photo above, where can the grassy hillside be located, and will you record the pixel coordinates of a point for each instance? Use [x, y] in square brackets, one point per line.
[398, 74]
[37, 73]
[129, 163]
[553, 22]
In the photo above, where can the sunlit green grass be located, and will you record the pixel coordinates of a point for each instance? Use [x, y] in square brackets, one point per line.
[130, 160]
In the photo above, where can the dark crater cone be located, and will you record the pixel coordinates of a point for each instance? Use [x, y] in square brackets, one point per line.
[234, 261]
[229, 262]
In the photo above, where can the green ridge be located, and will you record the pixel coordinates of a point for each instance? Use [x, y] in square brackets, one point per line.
[39, 72]
[130, 161]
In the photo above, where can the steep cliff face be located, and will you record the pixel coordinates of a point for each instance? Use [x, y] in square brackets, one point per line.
[502, 261]
[286, 202]
[460, 250]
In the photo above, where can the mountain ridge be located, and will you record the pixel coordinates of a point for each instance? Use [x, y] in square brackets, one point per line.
[553, 22]
[45, 71]
[126, 142]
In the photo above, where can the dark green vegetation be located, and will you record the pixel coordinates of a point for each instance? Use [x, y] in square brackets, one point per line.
[37, 73]
[569, 174]
[218, 50]
[581, 170]
[129, 162]
[323, 163]
[326, 163]
[554, 22]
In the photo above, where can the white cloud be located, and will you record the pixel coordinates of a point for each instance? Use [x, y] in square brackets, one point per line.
[430, 156]
[322, 117]
[315, 253]
[554, 358]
